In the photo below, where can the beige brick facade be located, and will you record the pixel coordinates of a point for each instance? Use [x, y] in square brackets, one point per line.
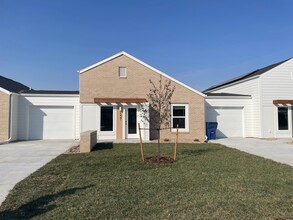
[4, 115]
[103, 82]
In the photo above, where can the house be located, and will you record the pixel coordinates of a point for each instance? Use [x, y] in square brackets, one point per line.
[8, 104]
[27, 114]
[256, 104]
[111, 95]
[113, 90]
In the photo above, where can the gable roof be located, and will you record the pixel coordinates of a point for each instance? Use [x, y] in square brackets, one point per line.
[142, 63]
[254, 73]
[11, 85]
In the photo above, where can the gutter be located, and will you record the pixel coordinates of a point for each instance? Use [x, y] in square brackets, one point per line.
[229, 97]
[10, 121]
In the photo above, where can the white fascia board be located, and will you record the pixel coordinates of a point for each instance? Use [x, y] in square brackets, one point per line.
[49, 95]
[142, 63]
[5, 91]
[228, 97]
[232, 84]
[101, 62]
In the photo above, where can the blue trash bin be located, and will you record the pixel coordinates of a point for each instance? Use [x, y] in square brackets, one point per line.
[211, 128]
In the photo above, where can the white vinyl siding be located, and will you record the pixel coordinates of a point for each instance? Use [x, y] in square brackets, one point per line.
[276, 84]
[88, 117]
[252, 112]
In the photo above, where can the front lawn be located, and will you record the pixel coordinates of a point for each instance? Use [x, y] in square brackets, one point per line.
[208, 181]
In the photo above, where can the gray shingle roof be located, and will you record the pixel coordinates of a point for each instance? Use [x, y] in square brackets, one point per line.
[246, 76]
[11, 85]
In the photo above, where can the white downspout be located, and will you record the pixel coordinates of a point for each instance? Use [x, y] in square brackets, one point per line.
[10, 121]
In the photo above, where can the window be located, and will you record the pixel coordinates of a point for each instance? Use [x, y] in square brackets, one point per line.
[283, 118]
[106, 118]
[122, 72]
[179, 113]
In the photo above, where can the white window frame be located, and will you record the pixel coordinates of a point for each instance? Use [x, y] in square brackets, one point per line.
[186, 129]
[120, 68]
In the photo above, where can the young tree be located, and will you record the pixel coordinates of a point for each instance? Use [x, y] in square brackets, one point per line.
[158, 113]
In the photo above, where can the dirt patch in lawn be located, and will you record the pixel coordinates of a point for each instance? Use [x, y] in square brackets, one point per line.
[156, 159]
[73, 150]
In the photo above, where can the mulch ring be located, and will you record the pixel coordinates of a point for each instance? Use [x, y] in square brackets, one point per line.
[156, 159]
[73, 150]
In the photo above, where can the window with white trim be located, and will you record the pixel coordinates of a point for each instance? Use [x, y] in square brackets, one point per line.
[179, 116]
[122, 72]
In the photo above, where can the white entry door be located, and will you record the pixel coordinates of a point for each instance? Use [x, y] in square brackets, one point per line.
[51, 122]
[230, 120]
[131, 120]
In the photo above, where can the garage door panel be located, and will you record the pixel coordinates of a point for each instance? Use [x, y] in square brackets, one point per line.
[51, 122]
[230, 121]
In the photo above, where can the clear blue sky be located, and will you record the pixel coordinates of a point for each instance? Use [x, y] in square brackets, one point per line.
[44, 42]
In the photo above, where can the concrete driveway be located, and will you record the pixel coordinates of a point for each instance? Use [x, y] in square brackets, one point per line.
[18, 160]
[279, 150]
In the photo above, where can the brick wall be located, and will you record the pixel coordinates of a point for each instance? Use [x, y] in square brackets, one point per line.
[4, 116]
[103, 82]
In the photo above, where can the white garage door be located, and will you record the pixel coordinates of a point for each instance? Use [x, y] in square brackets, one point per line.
[56, 122]
[230, 121]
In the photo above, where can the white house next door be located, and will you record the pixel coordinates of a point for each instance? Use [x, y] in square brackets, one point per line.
[131, 120]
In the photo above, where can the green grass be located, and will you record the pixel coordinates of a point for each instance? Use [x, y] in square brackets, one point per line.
[208, 181]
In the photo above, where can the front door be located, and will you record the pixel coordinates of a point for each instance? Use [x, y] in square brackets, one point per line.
[131, 123]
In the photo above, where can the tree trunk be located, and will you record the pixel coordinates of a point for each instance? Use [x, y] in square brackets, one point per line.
[159, 147]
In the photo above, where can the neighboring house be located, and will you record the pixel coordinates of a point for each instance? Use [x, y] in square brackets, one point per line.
[257, 104]
[27, 114]
[8, 100]
[113, 90]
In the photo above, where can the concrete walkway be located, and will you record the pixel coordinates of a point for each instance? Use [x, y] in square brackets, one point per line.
[280, 150]
[18, 160]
